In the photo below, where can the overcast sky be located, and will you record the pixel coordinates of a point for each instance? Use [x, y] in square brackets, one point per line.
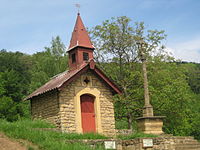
[29, 25]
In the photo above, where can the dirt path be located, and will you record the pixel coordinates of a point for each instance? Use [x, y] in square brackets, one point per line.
[9, 144]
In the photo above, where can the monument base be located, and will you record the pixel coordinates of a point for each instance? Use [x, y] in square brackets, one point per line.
[151, 125]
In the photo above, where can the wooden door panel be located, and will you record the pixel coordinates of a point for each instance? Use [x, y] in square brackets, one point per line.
[87, 105]
[87, 113]
[88, 122]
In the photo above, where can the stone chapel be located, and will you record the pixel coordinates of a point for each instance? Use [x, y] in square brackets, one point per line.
[80, 99]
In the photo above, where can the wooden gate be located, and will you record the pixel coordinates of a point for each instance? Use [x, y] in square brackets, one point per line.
[88, 113]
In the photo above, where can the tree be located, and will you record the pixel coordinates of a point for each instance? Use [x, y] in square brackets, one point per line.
[8, 109]
[170, 93]
[15, 68]
[48, 63]
[193, 76]
[171, 96]
[21, 74]
[114, 38]
[192, 71]
[118, 40]
[57, 48]
[15, 79]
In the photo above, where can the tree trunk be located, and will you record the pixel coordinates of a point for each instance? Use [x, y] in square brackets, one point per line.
[130, 121]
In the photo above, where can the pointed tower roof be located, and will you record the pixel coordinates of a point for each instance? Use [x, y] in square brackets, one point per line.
[80, 44]
[80, 36]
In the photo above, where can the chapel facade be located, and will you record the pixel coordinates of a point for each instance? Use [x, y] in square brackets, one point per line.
[80, 99]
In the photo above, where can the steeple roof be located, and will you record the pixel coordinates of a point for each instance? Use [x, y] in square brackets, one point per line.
[80, 36]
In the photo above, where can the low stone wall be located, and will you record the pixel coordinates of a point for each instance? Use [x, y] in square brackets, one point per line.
[159, 143]
[96, 143]
[124, 131]
[162, 143]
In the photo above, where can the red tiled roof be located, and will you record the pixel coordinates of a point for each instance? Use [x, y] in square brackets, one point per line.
[66, 77]
[80, 36]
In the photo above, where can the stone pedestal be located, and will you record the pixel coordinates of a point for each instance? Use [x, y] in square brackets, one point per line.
[150, 125]
[148, 111]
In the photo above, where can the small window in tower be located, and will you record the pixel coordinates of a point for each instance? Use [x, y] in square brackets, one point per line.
[85, 56]
[73, 58]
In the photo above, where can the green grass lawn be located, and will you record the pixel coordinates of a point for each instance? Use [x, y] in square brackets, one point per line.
[135, 135]
[47, 140]
[33, 131]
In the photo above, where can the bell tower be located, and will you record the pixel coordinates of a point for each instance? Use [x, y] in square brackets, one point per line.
[80, 49]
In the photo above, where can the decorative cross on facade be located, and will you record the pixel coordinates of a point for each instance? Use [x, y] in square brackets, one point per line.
[86, 80]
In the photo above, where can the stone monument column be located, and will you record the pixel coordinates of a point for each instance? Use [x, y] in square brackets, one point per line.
[148, 108]
[148, 123]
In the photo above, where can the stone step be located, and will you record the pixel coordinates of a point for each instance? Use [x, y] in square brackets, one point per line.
[189, 142]
[196, 144]
[188, 146]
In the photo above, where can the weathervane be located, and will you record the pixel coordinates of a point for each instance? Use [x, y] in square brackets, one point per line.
[78, 6]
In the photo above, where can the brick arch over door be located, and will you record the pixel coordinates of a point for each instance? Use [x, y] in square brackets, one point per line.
[88, 113]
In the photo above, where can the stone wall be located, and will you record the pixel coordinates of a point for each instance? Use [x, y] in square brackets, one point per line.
[60, 107]
[124, 131]
[106, 107]
[46, 107]
[67, 104]
[67, 109]
[159, 143]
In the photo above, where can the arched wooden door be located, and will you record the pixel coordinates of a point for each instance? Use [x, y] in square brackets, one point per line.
[88, 113]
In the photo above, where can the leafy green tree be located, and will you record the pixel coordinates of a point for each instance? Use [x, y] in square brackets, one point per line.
[117, 40]
[195, 117]
[192, 71]
[15, 66]
[21, 74]
[193, 76]
[14, 82]
[11, 85]
[114, 38]
[8, 109]
[57, 48]
[48, 63]
[119, 43]
[171, 96]
[114, 43]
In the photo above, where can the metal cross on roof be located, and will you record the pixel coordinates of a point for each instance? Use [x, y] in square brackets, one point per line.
[78, 6]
